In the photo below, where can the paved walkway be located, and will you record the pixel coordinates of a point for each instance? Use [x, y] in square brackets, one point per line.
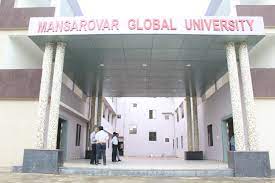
[43, 178]
[152, 163]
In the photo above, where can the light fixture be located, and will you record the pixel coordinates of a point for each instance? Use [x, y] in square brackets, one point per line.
[101, 65]
[180, 80]
[144, 65]
[188, 65]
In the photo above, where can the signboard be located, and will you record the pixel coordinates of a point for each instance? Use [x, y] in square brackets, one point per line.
[147, 25]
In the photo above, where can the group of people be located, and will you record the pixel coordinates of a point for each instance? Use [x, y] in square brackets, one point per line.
[99, 139]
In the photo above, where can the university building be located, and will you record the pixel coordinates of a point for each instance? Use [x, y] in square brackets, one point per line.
[174, 88]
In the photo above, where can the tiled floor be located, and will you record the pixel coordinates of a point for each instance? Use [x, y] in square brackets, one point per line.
[152, 163]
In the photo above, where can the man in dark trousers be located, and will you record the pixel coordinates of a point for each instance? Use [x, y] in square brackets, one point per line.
[93, 143]
[101, 139]
[114, 147]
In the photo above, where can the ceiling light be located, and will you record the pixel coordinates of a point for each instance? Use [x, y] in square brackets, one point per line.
[179, 80]
[101, 65]
[144, 65]
[188, 65]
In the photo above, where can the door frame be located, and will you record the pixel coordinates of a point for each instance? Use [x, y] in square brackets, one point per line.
[64, 137]
[225, 139]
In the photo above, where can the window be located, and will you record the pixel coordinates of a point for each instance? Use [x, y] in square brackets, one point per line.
[152, 136]
[182, 110]
[177, 113]
[78, 135]
[173, 143]
[181, 140]
[166, 139]
[152, 114]
[104, 110]
[210, 135]
[133, 129]
[119, 116]
[177, 141]
[134, 104]
[166, 116]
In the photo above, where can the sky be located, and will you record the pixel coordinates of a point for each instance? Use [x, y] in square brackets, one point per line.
[144, 7]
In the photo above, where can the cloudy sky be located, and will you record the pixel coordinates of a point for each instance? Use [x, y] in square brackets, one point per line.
[143, 7]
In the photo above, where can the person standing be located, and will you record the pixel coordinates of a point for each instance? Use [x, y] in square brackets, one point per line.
[93, 144]
[101, 138]
[118, 158]
[114, 147]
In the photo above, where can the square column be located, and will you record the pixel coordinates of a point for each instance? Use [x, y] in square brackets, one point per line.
[248, 96]
[195, 123]
[187, 82]
[189, 124]
[235, 96]
[44, 94]
[55, 96]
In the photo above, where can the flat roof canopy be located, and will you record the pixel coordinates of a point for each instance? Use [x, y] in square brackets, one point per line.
[141, 63]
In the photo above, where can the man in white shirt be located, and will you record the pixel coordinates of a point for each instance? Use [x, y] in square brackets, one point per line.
[114, 147]
[101, 138]
[93, 144]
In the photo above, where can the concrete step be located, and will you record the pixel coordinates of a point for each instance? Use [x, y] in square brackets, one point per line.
[147, 172]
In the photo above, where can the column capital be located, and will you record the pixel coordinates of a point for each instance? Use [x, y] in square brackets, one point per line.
[229, 44]
[61, 44]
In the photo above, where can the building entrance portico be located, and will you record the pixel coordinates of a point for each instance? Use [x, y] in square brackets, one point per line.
[181, 58]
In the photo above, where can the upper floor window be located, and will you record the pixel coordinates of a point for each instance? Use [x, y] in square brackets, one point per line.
[78, 135]
[177, 114]
[133, 129]
[152, 114]
[210, 135]
[152, 136]
[182, 110]
[134, 104]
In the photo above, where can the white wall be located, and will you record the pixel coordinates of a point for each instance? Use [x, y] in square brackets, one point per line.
[263, 54]
[17, 130]
[257, 2]
[13, 52]
[30, 3]
[212, 111]
[180, 128]
[63, 8]
[265, 115]
[139, 144]
[73, 151]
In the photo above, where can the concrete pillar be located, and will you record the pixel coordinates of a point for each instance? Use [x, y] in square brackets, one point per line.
[248, 96]
[189, 124]
[235, 96]
[99, 109]
[55, 96]
[195, 123]
[99, 97]
[44, 94]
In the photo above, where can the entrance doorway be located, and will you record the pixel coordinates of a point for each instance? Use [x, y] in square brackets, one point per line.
[62, 136]
[228, 137]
